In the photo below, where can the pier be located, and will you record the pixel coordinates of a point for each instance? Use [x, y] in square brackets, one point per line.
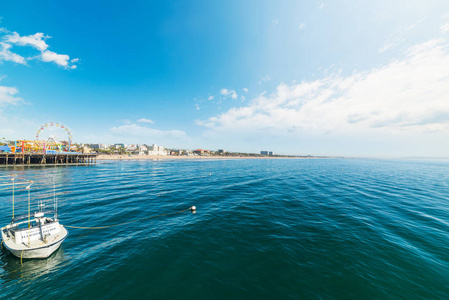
[40, 158]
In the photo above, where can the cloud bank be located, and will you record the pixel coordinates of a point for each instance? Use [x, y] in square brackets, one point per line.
[8, 96]
[406, 96]
[133, 133]
[230, 93]
[143, 120]
[36, 41]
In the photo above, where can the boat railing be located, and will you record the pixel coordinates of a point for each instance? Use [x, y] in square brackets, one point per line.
[26, 216]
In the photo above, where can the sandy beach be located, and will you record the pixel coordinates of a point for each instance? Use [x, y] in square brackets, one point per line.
[161, 157]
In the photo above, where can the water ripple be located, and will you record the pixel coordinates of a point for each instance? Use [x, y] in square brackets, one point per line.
[282, 229]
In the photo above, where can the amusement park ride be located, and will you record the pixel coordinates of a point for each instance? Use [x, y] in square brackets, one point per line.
[53, 145]
[51, 138]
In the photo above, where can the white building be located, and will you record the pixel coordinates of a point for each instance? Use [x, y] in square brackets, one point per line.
[143, 150]
[131, 147]
[157, 150]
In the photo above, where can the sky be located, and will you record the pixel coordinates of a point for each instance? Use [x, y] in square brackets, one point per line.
[347, 78]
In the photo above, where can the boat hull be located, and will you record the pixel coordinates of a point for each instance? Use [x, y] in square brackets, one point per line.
[43, 251]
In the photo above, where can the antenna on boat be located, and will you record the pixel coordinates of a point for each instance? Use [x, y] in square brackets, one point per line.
[29, 222]
[55, 203]
[13, 179]
[28, 188]
[40, 205]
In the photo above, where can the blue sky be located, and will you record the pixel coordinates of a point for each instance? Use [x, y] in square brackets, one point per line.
[353, 78]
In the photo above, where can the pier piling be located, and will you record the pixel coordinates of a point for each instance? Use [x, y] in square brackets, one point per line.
[46, 159]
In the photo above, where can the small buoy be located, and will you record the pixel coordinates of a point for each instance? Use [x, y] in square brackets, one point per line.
[193, 208]
[210, 174]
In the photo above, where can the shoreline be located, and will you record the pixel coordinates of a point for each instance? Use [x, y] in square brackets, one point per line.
[168, 157]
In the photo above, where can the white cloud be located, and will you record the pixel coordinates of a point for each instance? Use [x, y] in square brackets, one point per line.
[143, 120]
[7, 55]
[445, 28]
[321, 6]
[265, 79]
[139, 134]
[301, 26]
[8, 96]
[36, 40]
[60, 59]
[210, 98]
[245, 90]
[399, 36]
[231, 93]
[406, 96]
[385, 47]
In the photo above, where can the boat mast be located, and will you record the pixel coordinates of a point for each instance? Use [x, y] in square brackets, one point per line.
[55, 206]
[29, 212]
[13, 178]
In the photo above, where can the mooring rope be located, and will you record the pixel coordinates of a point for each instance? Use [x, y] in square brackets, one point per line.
[126, 223]
[192, 208]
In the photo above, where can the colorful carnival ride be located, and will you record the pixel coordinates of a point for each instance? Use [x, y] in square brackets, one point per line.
[51, 138]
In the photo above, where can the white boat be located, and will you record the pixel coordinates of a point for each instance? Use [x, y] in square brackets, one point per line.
[34, 235]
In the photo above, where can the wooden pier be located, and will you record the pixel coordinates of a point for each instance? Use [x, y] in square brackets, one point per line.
[40, 158]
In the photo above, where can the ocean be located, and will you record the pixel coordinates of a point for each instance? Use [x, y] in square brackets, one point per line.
[264, 229]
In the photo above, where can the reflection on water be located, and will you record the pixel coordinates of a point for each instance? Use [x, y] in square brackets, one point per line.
[11, 267]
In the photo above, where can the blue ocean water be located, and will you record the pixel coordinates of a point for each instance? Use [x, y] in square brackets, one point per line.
[264, 229]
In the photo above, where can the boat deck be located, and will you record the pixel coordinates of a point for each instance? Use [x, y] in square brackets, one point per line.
[52, 239]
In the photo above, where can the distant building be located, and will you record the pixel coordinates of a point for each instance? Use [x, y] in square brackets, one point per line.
[6, 149]
[267, 153]
[157, 150]
[86, 149]
[131, 147]
[143, 150]
[175, 152]
[221, 151]
[201, 152]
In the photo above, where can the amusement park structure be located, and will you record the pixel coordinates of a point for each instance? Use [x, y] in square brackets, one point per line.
[46, 144]
[53, 145]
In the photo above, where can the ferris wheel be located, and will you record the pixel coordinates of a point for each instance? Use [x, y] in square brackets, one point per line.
[56, 132]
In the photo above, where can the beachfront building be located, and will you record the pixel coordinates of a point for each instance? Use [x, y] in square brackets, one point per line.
[131, 148]
[95, 146]
[143, 150]
[86, 149]
[175, 152]
[267, 153]
[157, 150]
[118, 146]
[201, 152]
